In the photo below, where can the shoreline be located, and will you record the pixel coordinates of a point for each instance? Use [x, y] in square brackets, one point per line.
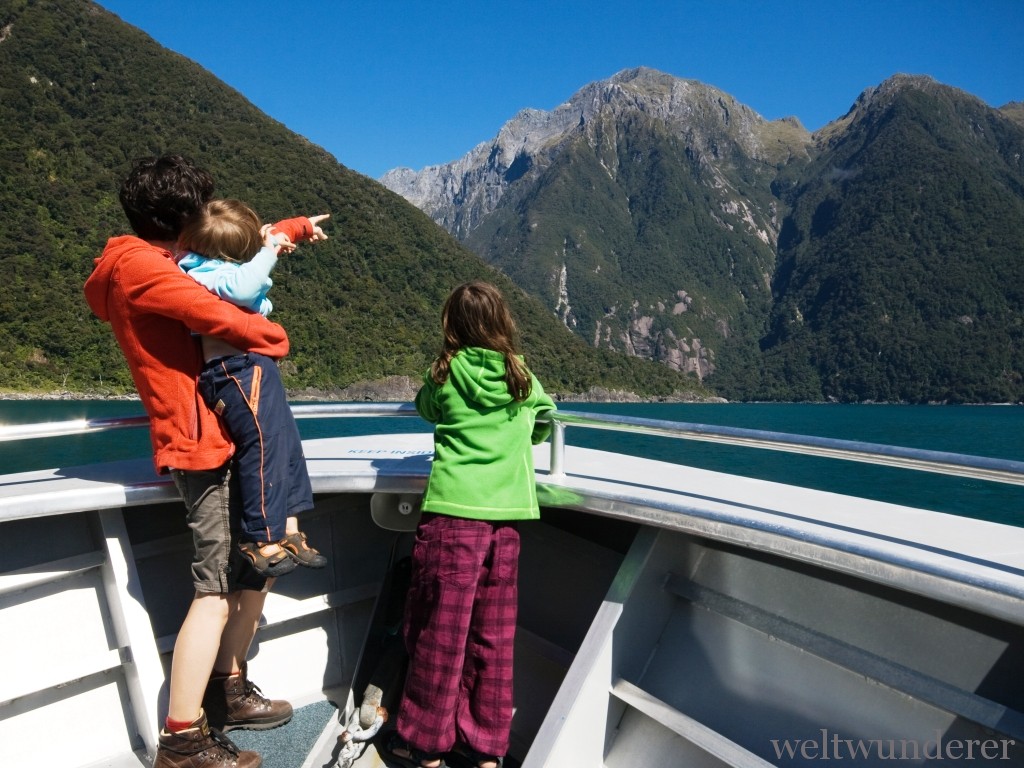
[393, 389]
[375, 393]
[304, 396]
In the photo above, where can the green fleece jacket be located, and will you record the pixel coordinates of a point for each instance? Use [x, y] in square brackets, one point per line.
[483, 457]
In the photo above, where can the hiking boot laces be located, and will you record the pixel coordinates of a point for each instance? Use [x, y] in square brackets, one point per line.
[224, 741]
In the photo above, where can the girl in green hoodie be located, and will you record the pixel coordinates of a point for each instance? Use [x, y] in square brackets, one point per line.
[460, 615]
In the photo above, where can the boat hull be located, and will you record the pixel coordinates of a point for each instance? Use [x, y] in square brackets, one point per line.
[669, 616]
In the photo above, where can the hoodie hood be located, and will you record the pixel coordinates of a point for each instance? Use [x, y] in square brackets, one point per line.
[97, 287]
[479, 376]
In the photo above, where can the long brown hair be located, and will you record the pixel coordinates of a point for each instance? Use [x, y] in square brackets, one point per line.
[476, 315]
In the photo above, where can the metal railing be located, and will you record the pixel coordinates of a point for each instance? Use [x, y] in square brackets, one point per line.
[962, 465]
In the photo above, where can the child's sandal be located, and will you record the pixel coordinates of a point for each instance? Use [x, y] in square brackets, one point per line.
[277, 564]
[477, 759]
[297, 548]
[412, 758]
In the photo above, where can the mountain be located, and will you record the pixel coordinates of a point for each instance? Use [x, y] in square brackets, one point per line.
[640, 211]
[82, 94]
[901, 263]
[659, 217]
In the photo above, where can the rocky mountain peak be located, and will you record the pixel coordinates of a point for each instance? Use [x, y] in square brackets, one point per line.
[875, 100]
[457, 195]
[883, 94]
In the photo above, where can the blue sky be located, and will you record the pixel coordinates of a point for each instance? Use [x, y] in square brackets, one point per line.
[387, 83]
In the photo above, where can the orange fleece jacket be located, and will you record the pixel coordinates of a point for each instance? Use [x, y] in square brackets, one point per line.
[154, 308]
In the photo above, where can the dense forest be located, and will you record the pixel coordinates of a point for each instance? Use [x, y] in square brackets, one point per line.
[879, 259]
[83, 94]
[901, 263]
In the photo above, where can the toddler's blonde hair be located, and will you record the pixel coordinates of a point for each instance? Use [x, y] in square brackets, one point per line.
[223, 229]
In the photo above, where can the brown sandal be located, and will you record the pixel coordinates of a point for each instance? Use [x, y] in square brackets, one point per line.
[277, 564]
[295, 546]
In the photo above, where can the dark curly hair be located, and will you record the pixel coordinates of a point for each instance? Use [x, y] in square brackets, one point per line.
[161, 193]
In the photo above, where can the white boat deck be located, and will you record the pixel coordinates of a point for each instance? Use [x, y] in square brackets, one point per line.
[911, 548]
[724, 569]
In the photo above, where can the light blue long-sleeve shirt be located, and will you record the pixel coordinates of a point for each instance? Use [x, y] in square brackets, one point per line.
[245, 284]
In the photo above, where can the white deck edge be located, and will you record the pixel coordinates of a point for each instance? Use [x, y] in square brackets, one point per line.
[967, 562]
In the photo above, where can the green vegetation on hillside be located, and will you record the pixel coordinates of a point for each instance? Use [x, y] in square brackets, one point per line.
[83, 94]
[637, 245]
[901, 273]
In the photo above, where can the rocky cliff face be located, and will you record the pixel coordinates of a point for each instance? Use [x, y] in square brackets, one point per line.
[660, 218]
[680, 166]
[460, 194]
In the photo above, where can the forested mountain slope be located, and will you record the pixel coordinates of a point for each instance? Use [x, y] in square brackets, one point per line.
[82, 94]
[881, 258]
[901, 263]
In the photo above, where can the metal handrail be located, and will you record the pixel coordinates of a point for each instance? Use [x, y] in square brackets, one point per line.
[942, 462]
[11, 432]
[958, 464]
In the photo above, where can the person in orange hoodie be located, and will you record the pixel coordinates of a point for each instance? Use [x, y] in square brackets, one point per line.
[155, 311]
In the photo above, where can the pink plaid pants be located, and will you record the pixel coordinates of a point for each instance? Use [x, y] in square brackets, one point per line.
[460, 622]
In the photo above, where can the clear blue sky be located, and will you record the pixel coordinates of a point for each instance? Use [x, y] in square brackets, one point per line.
[387, 83]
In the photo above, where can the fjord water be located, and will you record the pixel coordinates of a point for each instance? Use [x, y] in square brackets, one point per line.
[993, 431]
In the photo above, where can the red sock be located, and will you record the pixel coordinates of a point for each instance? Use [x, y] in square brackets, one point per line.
[174, 726]
[218, 673]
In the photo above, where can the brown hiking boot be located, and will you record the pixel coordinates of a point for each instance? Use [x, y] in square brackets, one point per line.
[235, 702]
[202, 747]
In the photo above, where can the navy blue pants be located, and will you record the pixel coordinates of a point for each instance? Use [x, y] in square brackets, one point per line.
[247, 393]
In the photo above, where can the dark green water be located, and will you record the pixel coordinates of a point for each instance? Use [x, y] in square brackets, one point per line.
[994, 431]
